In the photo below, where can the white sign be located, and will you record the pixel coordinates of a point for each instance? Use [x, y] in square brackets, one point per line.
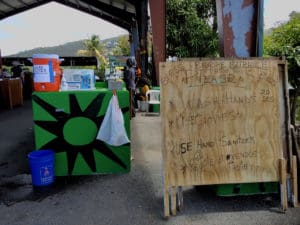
[41, 73]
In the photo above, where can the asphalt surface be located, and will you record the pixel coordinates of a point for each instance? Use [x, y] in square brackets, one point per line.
[118, 199]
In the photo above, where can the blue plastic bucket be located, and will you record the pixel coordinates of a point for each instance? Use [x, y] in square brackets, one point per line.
[42, 167]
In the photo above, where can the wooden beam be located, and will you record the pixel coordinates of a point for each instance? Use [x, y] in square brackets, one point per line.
[166, 201]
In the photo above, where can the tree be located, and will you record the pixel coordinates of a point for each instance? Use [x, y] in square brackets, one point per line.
[95, 48]
[123, 47]
[191, 28]
[285, 41]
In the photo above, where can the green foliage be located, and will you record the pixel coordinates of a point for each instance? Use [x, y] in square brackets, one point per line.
[93, 44]
[191, 28]
[123, 47]
[95, 48]
[100, 73]
[285, 41]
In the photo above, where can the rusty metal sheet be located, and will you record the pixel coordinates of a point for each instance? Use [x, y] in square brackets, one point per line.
[237, 26]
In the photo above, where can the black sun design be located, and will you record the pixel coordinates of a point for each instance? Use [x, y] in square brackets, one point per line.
[61, 143]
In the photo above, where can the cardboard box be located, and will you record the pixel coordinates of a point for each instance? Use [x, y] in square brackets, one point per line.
[78, 79]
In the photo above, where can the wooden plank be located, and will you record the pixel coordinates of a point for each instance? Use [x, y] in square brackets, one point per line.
[220, 121]
[284, 105]
[166, 202]
[283, 189]
[294, 183]
[285, 113]
[166, 188]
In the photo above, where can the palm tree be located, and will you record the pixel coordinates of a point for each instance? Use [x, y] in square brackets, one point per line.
[94, 48]
[123, 47]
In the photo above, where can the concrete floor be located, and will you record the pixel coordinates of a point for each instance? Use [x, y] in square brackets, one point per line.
[134, 198]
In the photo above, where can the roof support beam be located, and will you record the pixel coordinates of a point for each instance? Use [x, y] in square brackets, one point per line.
[110, 13]
[24, 3]
[116, 12]
[114, 20]
[24, 8]
[8, 5]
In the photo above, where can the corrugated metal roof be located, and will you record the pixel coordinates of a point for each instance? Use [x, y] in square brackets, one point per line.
[118, 12]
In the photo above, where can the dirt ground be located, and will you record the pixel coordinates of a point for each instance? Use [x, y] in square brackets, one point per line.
[117, 199]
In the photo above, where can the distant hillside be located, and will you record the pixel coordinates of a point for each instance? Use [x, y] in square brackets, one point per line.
[67, 49]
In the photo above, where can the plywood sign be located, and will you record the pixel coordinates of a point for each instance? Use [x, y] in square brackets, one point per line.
[220, 121]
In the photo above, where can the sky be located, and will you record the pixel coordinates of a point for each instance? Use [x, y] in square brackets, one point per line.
[278, 11]
[50, 25]
[54, 24]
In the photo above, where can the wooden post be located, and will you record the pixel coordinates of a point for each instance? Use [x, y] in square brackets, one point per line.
[166, 202]
[283, 191]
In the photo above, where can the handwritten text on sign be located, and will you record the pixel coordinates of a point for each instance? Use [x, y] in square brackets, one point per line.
[220, 121]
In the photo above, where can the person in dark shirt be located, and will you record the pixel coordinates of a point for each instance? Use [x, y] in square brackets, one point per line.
[16, 70]
[129, 79]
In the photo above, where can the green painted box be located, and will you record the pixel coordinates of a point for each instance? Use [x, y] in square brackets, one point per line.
[156, 108]
[246, 189]
[68, 123]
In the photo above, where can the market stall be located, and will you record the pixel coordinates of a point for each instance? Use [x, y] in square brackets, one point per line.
[68, 122]
[68, 114]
